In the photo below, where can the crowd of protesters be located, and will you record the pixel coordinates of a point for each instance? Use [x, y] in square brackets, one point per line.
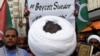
[92, 39]
[11, 41]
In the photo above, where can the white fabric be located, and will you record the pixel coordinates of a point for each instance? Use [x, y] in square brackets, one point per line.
[93, 37]
[61, 43]
[1, 3]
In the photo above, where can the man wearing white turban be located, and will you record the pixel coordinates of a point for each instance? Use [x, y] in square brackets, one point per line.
[95, 41]
[94, 37]
[52, 36]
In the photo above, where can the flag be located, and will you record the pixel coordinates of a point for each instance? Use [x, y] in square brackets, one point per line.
[9, 18]
[2, 17]
[82, 18]
[5, 17]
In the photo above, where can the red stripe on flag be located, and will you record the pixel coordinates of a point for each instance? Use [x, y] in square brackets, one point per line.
[3, 18]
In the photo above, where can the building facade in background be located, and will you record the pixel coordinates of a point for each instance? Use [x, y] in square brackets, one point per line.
[17, 14]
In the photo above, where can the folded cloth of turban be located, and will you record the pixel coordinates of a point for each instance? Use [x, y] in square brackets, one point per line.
[52, 43]
[93, 37]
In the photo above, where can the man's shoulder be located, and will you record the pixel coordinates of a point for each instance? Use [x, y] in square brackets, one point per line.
[24, 51]
[2, 51]
[1, 48]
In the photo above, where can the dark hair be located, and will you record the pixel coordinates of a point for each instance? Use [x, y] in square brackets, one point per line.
[51, 27]
[11, 29]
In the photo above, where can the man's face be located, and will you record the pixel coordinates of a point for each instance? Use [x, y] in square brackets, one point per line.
[10, 38]
[94, 42]
[22, 44]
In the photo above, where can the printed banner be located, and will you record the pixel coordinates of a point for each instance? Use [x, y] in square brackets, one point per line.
[61, 8]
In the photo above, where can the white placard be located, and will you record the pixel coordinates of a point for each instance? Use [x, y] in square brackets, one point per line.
[62, 8]
[1, 3]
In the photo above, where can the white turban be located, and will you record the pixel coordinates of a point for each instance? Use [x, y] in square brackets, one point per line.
[61, 43]
[93, 37]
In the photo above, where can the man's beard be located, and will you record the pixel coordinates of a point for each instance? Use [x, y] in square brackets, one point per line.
[10, 47]
[95, 50]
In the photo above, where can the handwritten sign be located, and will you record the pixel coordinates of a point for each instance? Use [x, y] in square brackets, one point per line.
[61, 8]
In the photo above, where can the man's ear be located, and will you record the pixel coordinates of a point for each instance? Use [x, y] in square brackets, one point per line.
[75, 13]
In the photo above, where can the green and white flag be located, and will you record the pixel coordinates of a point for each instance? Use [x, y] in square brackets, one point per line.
[9, 18]
[83, 18]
